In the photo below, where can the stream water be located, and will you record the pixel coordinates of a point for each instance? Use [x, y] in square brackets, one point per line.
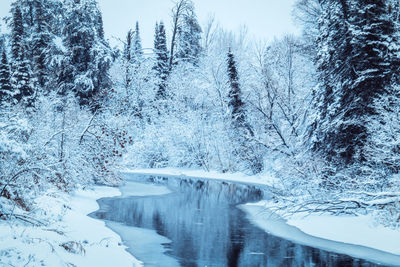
[199, 224]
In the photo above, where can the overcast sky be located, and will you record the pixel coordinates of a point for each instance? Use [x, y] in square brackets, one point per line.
[265, 19]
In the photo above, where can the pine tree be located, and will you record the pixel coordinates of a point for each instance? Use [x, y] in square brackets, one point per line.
[5, 85]
[88, 52]
[334, 66]
[356, 64]
[100, 26]
[41, 40]
[137, 50]
[17, 33]
[235, 103]
[21, 78]
[161, 66]
[128, 59]
[241, 131]
[128, 46]
[22, 83]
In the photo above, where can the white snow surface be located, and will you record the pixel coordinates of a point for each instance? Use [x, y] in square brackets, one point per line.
[91, 243]
[139, 189]
[359, 230]
[263, 179]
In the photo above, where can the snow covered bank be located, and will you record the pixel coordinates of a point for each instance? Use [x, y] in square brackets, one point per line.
[266, 179]
[353, 236]
[133, 189]
[71, 238]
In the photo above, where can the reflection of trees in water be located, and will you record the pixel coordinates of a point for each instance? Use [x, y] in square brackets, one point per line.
[206, 229]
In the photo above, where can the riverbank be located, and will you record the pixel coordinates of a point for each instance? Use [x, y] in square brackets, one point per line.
[265, 179]
[66, 235]
[357, 236]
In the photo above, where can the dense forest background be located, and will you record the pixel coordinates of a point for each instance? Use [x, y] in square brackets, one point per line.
[319, 111]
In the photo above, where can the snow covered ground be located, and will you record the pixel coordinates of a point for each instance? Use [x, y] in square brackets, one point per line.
[70, 238]
[355, 236]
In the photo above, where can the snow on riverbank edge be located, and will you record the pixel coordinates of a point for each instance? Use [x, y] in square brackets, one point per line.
[354, 236]
[72, 238]
[337, 234]
[266, 179]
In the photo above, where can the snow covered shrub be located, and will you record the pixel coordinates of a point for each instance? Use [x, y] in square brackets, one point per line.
[383, 147]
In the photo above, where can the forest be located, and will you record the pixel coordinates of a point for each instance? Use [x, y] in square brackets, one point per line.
[320, 111]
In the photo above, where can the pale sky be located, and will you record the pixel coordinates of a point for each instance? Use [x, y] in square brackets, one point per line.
[265, 19]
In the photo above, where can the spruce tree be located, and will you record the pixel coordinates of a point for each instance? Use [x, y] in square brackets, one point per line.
[17, 33]
[5, 85]
[161, 66]
[100, 26]
[137, 49]
[335, 71]
[41, 40]
[357, 64]
[241, 132]
[235, 104]
[21, 78]
[22, 82]
[88, 52]
[128, 59]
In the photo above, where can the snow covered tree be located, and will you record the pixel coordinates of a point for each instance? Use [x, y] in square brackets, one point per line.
[100, 26]
[5, 85]
[383, 146]
[127, 59]
[21, 78]
[189, 37]
[161, 65]
[334, 70]
[358, 62]
[241, 132]
[186, 34]
[128, 46]
[22, 82]
[236, 105]
[137, 50]
[41, 41]
[17, 33]
[88, 53]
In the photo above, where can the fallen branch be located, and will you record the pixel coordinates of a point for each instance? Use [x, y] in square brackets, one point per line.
[24, 218]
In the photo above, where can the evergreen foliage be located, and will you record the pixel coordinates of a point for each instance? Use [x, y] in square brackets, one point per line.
[127, 56]
[88, 53]
[17, 34]
[235, 103]
[161, 65]
[357, 64]
[21, 78]
[5, 85]
[41, 40]
[137, 49]
[22, 82]
[245, 150]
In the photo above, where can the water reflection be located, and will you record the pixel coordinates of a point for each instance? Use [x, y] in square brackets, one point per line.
[207, 229]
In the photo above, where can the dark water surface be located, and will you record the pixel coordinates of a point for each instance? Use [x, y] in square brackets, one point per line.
[205, 228]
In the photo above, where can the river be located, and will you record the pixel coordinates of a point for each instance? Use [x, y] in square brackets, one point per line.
[199, 224]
